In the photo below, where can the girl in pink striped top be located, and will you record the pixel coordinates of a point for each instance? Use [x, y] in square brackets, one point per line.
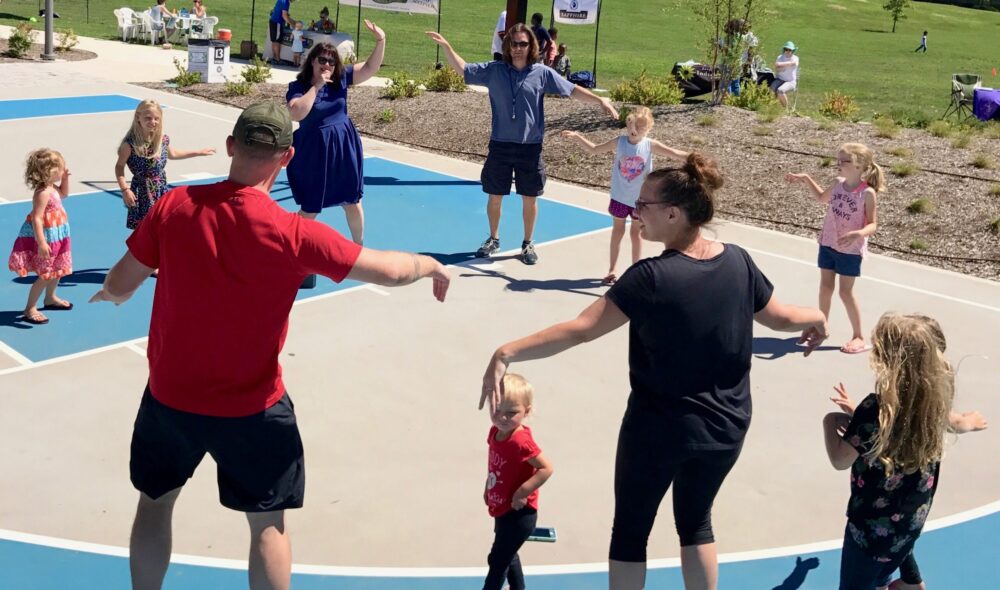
[850, 220]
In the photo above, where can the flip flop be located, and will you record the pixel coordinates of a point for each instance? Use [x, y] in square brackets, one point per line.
[57, 307]
[844, 349]
[34, 320]
[610, 279]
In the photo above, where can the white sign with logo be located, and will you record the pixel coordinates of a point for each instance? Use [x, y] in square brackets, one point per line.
[412, 6]
[576, 12]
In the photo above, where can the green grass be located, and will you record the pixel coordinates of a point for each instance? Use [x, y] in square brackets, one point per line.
[849, 50]
[899, 151]
[995, 226]
[982, 161]
[920, 206]
[994, 190]
[707, 120]
[904, 169]
[918, 244]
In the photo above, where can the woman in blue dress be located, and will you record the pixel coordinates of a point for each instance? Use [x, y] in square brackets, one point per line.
[327, 169]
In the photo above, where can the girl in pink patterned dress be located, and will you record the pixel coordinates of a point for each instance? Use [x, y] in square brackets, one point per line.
[43, 244]
[850, 221]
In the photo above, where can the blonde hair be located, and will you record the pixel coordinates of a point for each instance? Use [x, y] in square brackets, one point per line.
[39, 167]
[143, 146]
[864, 157]
[640, 114]
[517, 388]
[915, 385]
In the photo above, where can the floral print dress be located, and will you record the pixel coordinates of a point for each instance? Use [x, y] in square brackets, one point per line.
[886, 513]
[149, 180]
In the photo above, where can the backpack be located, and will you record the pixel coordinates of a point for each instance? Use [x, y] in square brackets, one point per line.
[583, 78]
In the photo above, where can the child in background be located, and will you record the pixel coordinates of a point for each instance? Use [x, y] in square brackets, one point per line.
[43, 244]
[145, 150]
[850, 221]
[893, 442]
[634, 153]
[297, 47]
[553, 51]
[516, 469]
[562, 64]
[923, 44]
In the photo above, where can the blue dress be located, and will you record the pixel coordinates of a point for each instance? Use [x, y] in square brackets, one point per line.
[328, 166]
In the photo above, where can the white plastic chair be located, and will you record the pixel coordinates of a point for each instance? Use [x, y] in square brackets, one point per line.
[208, 26]
[127, 27]
[152, 28]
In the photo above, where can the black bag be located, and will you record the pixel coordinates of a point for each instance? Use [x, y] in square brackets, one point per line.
[583, 78]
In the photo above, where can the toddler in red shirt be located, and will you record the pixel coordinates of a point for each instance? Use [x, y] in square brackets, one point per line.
[516, 469]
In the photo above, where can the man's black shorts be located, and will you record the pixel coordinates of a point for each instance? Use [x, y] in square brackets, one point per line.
[274, 31]
[520, 163]
[260, 461]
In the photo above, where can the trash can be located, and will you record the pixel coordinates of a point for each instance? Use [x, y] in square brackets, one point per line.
[210, 58]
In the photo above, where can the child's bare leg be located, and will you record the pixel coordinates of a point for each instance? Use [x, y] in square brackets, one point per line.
[853, 312]
[617, 233]
[50, 293]
[31, 308]
[356, 222]
[636, 241]
[827, 279]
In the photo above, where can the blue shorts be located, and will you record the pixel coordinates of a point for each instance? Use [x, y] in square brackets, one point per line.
[848, 265]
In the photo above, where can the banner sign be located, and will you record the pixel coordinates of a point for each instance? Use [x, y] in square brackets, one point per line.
[576, 12]
[411, 6]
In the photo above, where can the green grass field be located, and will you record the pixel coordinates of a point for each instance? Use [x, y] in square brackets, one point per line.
[844, 46]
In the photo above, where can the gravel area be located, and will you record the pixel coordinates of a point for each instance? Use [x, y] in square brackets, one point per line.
[35, 54]
[955, 233]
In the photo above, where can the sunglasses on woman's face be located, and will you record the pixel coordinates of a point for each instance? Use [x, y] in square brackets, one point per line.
[520, 44]
[641, 205]
[325, 61]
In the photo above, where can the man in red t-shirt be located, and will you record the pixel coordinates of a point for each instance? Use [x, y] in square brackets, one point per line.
[230, 263]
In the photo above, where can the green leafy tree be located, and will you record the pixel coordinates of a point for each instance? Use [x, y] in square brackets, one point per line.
[896, 8]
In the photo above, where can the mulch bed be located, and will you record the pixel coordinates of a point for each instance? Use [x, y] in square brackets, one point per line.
[753, 156]
[35, 54]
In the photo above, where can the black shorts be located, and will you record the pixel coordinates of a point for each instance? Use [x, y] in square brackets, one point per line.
[517, 163]
[261, 466]
[274, 32]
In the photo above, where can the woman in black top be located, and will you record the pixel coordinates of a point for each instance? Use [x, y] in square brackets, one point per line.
[690, 312]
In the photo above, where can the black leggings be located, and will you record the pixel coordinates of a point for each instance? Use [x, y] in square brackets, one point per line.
[512, 530]
[645, 467]
[908, 570]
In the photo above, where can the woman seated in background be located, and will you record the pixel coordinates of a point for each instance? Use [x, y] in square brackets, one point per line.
[324, 24]
[198, 9]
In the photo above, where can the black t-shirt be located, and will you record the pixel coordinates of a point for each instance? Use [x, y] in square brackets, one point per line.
[885, 514]
[690, 342]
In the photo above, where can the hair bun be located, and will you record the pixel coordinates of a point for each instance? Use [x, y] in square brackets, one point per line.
[703, 170]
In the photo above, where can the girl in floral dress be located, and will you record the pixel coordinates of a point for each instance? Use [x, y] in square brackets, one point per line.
[145, 150]
[43, 244]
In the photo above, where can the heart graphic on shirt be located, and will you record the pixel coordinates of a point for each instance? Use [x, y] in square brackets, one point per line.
[631, 167]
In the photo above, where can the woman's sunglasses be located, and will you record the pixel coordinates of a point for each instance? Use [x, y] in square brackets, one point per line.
[520, 44]
[326, 61]
[640, 205]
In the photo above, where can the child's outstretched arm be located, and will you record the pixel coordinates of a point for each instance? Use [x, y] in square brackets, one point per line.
[38, 204]
[185, 154]
[841, 454]
[543, 472]
[64, 183]
[817, 191]
[960, 423]
[589, 146]
[666, 151]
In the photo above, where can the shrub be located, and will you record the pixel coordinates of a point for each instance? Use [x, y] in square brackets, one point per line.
[573, 159]
[991, 130]
[939, 129]
[918, 244]
[66, 39]
[760, 130]
[753, 97]
[982, 161]
[386, 116]
[707, 120]
[920, 206]
[885, 127]
[697, 140]
[962, 140]
[994, 190]
[995, 226]
[910, 118]
[20, 40]
[814, 141]
[825, 161]
[401, 86]
[648, 91]
[623, 114]
[827, 125]
[257, 71]
[838, 106]
[899, 151]
[904, 169]
[184, 78]
[242, 88]
[445, 80]
[770, 113]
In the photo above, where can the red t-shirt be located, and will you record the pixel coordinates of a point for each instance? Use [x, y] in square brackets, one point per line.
[508, 468]
[230, 263]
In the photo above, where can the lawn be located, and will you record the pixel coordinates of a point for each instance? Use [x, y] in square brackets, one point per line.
[845, 46]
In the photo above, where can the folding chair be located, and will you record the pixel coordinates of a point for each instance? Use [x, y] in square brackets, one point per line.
[963, 87]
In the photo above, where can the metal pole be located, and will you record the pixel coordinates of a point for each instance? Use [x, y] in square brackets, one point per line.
[437, 50]
[552, 14]
[336, 19]
[253, 14]
[597, 34]
[357, 39]
[48, 55]
[88, 11]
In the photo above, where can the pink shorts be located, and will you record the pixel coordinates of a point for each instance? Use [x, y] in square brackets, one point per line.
[621, 210]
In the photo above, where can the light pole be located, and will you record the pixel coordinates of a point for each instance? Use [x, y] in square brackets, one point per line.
[48, 55]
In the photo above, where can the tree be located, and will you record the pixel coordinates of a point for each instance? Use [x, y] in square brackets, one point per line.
[896, 8]
[726, 23]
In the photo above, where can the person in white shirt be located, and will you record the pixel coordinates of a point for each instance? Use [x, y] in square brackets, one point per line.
[786, 73]
[497, 39]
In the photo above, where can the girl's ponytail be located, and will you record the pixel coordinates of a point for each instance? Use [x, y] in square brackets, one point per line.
[875, 177]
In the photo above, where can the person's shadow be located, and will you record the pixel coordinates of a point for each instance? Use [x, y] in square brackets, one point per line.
[798, 575]
[87, 276]
[14, 319]
[769, 349]
[578, 286]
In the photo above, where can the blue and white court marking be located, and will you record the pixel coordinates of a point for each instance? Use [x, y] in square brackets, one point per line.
[69, 105]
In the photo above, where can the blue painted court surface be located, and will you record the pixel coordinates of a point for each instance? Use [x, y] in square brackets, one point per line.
[406, 208]
[959, 556]
[70, 105]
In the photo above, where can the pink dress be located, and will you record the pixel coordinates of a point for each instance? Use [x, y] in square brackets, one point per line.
[24, 256]
[845, 213]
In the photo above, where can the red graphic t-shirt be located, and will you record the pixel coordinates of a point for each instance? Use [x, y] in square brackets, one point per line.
[508, 468]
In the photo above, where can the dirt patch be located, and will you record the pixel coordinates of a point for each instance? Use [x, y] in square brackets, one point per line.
[35, 54]
[956, 231]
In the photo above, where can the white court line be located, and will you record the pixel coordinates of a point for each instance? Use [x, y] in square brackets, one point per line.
[375, 289]
[452, 572]
[198, 176]
[10, 351]
[134, 347]
[59, 359]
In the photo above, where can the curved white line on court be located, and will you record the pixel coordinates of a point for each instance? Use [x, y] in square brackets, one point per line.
[454, 572]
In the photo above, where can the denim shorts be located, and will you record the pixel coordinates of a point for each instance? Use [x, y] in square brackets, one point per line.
[848, 265]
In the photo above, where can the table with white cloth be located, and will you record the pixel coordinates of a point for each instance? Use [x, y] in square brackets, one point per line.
[342, 41]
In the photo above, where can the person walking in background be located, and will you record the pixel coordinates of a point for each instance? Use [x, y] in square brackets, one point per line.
[498, 33]
[923, 44]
